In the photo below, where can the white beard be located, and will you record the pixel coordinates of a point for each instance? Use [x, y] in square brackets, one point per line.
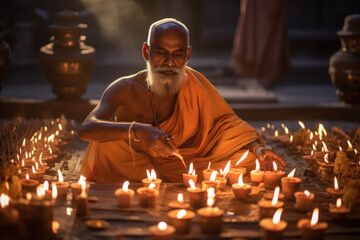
[164, 84]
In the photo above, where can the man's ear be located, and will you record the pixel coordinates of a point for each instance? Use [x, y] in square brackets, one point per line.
[188, 54]
[145, 51]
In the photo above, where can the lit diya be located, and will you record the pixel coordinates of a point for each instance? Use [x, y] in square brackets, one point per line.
[268, 208]
[273, 228]
[147, 196]
[197, 196]
[211, 183]
[162, 231]
[303, 200]
[273, 178]
[241, 190]
[257, 176]
[338, 209]
[76, 187]
[152, 178]
[29, 185]
[62, 187]
[207, 172]
[335, 192]
[210, 218]
[290, 185]
[181, 220]
[180, 202]
[235, 171]
[124, 195]
[312, 229]
[190, 175]
[221, 180]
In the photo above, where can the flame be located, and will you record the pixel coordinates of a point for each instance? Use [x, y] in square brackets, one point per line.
[209, 165]
[276, 133]
[28, 196]
[312, 153]
[46, 185]
[210, 202]
[227, 168]
[276, 196]
[45, 128]
[180, 214]
[40, 191]
[292, 173]
[162, 226]
[33, 170]
[340, 148]
[180, 198]
[57, 133]
[311, 135]
[349, 144]
[125, 186]
[60, 176]
[191, 168]
[69, 211]
[338, 202]
[23, 163]
[192, 184]
[26, 155]
[213, 176]
[291, 138]
[60, 126]
[263, 129]
[36, 166]
[274, 166]
[307, 193]
[40, 135]
[277, 215]
[272, 126]
[4, 200]
[325, 147]
[282, 125]
[314, 217]
[326, 157]
[81, 179]
[152, 185]
[54, 191]
[268, 125]
[23, 143]
[302, 125]
[257, 168]
[286, 130]
[322, 130]
[55, 227]
[151, 175]
[242, 157]
[355, 151]
[240, 181]
[27, 177]
[50, 151]
[336, 185]
[51, 138]
[314, 147]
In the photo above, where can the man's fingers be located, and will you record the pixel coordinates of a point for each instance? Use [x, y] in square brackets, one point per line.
[172, 145]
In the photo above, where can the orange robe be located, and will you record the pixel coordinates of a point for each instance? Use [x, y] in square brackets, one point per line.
[203, 126]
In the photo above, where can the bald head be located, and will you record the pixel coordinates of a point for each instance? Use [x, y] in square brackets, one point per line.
[168, 25]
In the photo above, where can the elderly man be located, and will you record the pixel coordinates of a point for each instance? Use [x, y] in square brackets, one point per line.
[144, 120]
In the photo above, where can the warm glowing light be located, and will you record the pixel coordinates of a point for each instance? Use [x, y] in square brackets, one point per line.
[227, 168]
[286, 130]
[340, 148]
[180, 214]
[57, 133]
[274, 166]
[152, 185]
[40, 191]
[276, 133]
[125, 186]
[349, 144]
[277, 216]
[23, 163]
[209, 165]
[27, 177]
[355, 151]
[302, 125]
[336, 185]
[326, 157]
[325, 147]
[55, 227]
[33, 170]
[272, 126]
[314, 147]
[60, 176]
[213, 176]
[282, 125]
[60, 126]
[314, 217]
[292, 173]
[276, 196]
[291, 138]
[257, 168]
[26, 155]
[312, 153]
[240, 180]
[311, 135]
[162, 226]
[23, 143]
[268, 125]
[242, 157]
[54, 191]
[210, 202]
[46, 185]
[263, 129]
[191, 168]
[40, 135]
[338, 202]
[69, 211]
[211, 192]
[4, 200]
[180, 198]
[192, 184]
[322, 130]
[28, 196]
[307, 193]
[151, 175]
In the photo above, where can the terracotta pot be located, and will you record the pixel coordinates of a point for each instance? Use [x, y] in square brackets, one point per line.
[67, 62]
[345, 63]
[4, 56]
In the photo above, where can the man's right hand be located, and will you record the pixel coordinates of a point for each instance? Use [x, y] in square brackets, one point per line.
[154, 141]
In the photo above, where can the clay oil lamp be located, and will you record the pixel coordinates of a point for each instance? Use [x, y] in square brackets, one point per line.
[76, 187]
[210, 218]
[43, 166]
[9, 218]
[181, 220]
[197, 196]
[273, 228]
[82, 204]
[273, 178]
[223, 176]
[303, 201]
[124, 196]
[162, 231]
[147, 196]
[325, 166]
[312, 229]
[241, 190]
[257, 176]
[335, 192]
[62, 187]
[47, 190]
[190, 175]
[235, 171]
[28, 160]
[207, 172]
[211, 183]
[29, 185]
[179, 204]
[267, 207]
[151, 178]
[338, 209]
[290, 185]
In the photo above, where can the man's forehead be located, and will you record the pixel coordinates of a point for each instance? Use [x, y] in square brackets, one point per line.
[170, 31]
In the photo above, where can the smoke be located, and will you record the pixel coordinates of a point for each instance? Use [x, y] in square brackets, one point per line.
[121, 21]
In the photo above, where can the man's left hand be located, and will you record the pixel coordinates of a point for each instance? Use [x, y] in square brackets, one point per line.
[266, 158]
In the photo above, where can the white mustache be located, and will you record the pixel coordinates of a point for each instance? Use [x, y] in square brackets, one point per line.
[167, 69]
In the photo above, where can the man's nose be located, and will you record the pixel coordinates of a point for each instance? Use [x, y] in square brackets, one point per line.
[170, 60]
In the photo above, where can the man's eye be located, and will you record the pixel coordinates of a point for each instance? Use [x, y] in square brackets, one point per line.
[178, 54]
[161, 51]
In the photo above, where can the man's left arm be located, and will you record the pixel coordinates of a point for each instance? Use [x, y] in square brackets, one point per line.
[266, 156]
